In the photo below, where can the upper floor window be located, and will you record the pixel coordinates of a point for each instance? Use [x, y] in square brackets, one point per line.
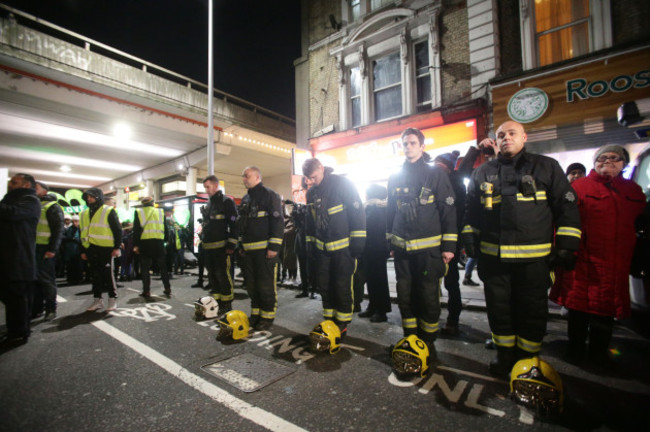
[561, 29]
[355, 9]
[422, 76]
[355, 96]
[387, 86]
[358, 8]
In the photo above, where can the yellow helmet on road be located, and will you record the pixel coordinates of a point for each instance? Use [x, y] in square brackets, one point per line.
[326, 336]
[411, 356]
[233, 324]
[535, 384]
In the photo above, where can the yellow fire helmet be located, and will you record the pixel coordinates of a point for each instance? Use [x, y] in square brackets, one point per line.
[326, 336]
[410, 356]
[233, 324]
[535, 384]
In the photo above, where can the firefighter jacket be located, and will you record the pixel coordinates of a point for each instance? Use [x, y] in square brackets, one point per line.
[220, 223]
[261, 222]
[516, 206]
[50, 226]
[421, 213]
[337, 219]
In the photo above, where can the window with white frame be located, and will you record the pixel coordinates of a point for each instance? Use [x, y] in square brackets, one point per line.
[422, 76]
[387, 86]
[355, 97]
[355, 10]
[557, 30]
[358, 8]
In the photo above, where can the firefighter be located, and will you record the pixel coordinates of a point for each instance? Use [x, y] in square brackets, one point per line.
[421, 224]
[336, 235]
[261, 228]
[219, 235]
[101, 237]
[518, 206]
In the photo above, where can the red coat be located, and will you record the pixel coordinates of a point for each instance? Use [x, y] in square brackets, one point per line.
[600, 282]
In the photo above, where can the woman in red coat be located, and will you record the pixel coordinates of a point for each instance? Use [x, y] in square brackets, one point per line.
[597, 290]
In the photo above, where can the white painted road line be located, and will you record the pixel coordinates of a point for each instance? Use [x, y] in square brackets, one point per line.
[60, 299]
[246, 410]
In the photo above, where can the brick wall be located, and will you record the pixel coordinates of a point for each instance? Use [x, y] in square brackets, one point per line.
[323, 75]
[454, 45]
[630, 21]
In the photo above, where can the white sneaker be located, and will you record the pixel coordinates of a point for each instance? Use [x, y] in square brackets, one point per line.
[97, 304]
[112, 304]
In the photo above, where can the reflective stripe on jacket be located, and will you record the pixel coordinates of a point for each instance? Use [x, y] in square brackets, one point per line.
[96, 231]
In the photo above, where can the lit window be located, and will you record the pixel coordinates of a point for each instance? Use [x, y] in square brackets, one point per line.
[422, 76]
[561, 30]
[387, 86]
[355, 9]
[355, 96]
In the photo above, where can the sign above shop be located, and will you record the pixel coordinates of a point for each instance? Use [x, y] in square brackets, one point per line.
[528, 105]
[581, 88]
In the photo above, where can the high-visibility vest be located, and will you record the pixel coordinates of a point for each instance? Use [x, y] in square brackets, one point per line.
[178, 241]
[96, 231]
[152, 222]
[43, 232]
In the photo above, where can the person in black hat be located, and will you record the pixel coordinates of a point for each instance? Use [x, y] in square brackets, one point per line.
[575, 171]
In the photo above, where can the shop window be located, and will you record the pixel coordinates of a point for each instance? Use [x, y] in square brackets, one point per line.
[562, 29]
[422, 76]
[387, 86]
[355, 96]
[558, 30]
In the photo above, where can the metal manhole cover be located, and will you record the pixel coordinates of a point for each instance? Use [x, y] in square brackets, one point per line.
[248, 372]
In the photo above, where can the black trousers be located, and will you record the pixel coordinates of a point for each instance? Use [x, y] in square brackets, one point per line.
[45, 286]
[17, 297]
[218, 263]
[452, 285]
[260, 278]
[334, 281]
[146, 262]
[100, 264]
[517, 301]
[598, 328]
[418, 292]
[374, 264]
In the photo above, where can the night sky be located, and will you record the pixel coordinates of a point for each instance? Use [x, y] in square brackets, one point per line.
[255, 41]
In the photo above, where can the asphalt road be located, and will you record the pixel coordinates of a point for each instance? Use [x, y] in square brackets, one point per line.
[149, 366]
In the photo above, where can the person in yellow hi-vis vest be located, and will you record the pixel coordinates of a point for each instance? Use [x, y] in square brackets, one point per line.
[49, 234]
[149, 243]
[101, 237]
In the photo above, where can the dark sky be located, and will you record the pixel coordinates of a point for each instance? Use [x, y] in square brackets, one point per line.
[255, 41]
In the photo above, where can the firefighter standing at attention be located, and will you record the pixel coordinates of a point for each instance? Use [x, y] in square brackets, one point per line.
[261, 228]
[522, 219]
[336, 234]
[421, 225]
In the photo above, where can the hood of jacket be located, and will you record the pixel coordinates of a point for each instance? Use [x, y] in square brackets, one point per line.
[95, 193]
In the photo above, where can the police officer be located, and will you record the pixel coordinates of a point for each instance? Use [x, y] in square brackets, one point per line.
[220, 234]
[421, 222]
[101, 237]
[48, 240]
[517, 204]
[336, 235]
[149, 244]
[261, 227]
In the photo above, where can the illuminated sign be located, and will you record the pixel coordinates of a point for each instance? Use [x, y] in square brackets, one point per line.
[580, 88]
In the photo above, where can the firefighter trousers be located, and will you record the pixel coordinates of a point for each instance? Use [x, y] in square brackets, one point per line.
[418, 292]
[334, 281]
[260, 279]
[517, 301]
[218, 263]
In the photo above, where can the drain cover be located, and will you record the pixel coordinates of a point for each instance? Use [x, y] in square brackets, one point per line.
[248, 372]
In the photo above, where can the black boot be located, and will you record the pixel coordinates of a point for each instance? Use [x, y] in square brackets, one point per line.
[198, 284]
[506, 359]
[224, 306]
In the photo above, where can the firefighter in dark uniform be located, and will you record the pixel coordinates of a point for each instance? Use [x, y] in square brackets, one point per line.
[219, 236]
[261, 228]
[421, 223]
[101, 237]
[518, 206]
[336, 235]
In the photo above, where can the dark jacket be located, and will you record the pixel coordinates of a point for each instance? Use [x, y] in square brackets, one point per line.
[421, 212]
[261, 222]
[220, 223]
[337, 217]
[376, 242]
[532, 202]
[20, 210]
[54, 217]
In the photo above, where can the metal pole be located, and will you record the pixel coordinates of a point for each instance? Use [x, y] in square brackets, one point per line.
[210, 95]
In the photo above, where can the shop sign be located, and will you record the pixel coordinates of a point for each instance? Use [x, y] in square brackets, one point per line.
[580, 88]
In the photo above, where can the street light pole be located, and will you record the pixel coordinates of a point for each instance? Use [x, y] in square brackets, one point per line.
[210, 94]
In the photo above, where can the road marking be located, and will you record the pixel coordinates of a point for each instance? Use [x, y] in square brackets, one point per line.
[60, 299]
[246, 410]
[138, 291]
[472, 374]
